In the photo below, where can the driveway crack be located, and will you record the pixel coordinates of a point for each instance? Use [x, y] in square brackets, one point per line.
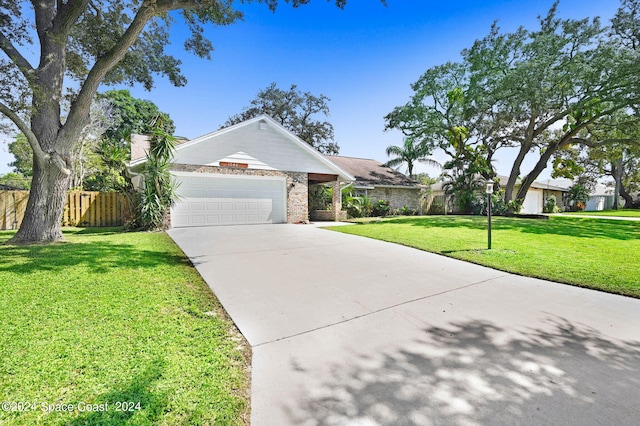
[386, 308]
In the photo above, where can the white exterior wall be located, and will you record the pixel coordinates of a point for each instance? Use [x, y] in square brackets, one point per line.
[533, 202]
[266, 148]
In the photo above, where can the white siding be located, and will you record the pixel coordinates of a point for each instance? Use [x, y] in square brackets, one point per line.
[268, 148]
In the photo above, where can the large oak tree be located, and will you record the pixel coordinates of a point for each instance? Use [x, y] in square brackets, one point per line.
[82, 44]
[300, 112]
[532, 90]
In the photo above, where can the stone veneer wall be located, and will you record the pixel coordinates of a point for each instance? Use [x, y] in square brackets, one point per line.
[398, 197]
[297, 184]
[327, 215]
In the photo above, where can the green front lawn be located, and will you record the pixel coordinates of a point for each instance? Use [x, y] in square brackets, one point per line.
[119, 322]
[594, 253]
[611, 213]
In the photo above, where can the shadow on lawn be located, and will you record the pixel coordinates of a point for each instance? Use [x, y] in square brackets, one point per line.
[98, 256]
[475, 372]
[583, 228]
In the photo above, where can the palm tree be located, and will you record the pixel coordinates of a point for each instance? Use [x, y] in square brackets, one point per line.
[410, 153]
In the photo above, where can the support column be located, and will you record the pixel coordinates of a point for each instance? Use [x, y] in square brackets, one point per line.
[337, 201]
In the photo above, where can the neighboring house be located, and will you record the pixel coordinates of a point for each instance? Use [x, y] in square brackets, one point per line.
[534, 201]
[538, 194]
[253, 172]
[601, 198]
[379, 182]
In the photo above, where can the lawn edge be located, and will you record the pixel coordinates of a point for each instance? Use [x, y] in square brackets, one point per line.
[573, 284]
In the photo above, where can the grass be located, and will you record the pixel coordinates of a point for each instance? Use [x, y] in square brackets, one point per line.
[611, 213]
[594, 253]
[114, 317]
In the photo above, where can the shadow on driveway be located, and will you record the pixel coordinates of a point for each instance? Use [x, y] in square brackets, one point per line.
[475, 372]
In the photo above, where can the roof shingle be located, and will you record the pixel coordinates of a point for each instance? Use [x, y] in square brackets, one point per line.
[371, 172]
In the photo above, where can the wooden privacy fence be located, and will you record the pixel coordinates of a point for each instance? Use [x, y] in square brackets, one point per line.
[91, 209]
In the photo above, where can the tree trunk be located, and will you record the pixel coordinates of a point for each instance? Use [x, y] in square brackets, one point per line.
[42, 222]
[628, 200]
[515, 172]
[537, 169]
[616, 168]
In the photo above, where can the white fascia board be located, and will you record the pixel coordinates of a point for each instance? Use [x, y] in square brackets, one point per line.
[342, 174]
[226, 176]
[387, 186]
[216, 133]
[345, 177]
[203, 138]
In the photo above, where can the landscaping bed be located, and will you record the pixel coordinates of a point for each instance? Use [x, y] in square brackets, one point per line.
[114, 328]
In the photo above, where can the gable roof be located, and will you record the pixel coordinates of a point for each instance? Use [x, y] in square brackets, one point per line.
[372, 173]
[262, 143]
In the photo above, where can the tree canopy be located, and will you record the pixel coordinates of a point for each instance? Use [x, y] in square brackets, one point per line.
[295, 110]
[409, 153]
[133, 115]
[535, 90]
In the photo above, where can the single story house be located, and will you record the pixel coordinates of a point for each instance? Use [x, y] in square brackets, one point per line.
[534, 201]
[601, 198]
[379, 182]
[253, 172]
[538, 194]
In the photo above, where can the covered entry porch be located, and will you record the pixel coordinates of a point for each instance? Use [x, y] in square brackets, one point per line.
[325, 198]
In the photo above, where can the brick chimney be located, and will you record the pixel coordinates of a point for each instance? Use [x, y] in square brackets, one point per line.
[139, 146]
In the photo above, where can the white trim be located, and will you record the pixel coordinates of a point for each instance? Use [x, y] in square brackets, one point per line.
[387, 186]
[346, 177]
[310, 149]
[227, 175]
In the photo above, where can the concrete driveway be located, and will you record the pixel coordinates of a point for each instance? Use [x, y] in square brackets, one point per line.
[347, 330]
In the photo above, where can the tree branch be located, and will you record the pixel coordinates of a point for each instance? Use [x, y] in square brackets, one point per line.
[16, 57]
[40, 155]
[593, 144]
[148, 9]
[68, 14]
[80, 107]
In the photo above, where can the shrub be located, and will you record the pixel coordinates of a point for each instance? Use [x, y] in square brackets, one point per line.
[578, 196]
[320, 197]
[406, 211]
[381, 208]
[158, 194]
[550, 205]
[498, 206]
[357, 206]
[437, 207]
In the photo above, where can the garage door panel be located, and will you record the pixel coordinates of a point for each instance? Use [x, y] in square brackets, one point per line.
[209, 200]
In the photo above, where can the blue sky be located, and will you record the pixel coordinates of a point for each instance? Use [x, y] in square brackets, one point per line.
[363, 58]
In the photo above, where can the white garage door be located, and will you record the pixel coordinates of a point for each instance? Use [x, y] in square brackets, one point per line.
[532, 202]
[209, 200]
